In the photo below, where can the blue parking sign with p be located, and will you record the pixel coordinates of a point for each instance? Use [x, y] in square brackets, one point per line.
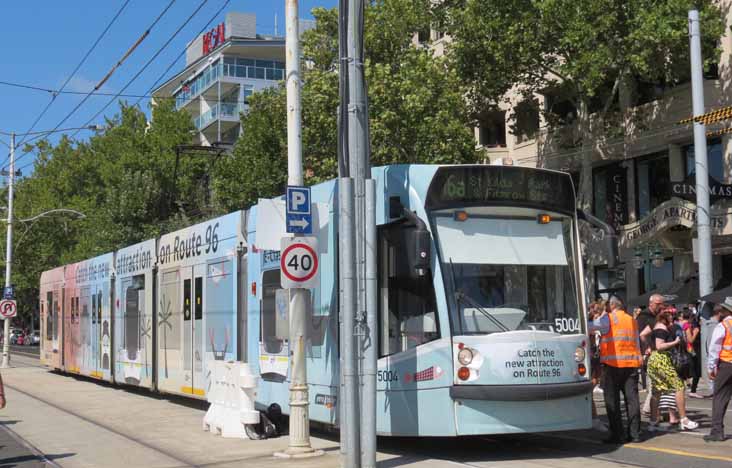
[299, 219]
[298, 200]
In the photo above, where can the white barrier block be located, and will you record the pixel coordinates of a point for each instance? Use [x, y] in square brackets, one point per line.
[232, 395]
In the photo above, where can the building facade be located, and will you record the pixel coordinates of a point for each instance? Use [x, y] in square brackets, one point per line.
[224, 66]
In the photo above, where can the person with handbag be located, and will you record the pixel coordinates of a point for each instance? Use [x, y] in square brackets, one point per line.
[662, 370]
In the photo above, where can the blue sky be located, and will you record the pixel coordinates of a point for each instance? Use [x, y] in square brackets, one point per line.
[43, 41]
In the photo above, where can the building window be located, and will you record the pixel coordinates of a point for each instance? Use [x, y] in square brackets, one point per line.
[610, 282]
[526, 126]
[492, 129]
[715, 160]
[610, 194]
[652, 183]
[654, 277]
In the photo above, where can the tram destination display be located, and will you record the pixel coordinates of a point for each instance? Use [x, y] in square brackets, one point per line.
[517, 186]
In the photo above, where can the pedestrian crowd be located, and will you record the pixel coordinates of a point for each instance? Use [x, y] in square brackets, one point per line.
[659, 349]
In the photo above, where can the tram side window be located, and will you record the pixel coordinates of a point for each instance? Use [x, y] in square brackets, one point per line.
[133, 305]
[169, 311]
[49, 316]
[273, 331]
[408, 309]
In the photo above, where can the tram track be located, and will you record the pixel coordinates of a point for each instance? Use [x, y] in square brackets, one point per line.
[182, 462]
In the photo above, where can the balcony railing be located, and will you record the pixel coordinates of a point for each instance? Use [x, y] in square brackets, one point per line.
[218, 111]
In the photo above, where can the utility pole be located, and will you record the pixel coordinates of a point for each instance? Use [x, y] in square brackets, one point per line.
[299, 443]
[703, 231]
[9, 251]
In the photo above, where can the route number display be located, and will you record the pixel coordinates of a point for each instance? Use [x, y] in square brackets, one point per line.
[8, 308]
[299, 262]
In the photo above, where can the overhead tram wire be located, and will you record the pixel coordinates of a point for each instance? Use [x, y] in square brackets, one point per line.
[73, 73]
[147, 64]
[107, 76]
[148, 93]
[98, 93]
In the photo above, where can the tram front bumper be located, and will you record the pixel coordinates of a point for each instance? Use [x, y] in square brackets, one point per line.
[516, 409]
[537, 392]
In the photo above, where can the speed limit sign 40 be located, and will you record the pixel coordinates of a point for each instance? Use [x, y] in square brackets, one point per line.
[298, 262]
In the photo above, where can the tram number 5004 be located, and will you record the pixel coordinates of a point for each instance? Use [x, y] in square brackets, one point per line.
[565, 325]
[387, 376]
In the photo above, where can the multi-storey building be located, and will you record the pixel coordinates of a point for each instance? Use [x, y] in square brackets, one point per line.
[642, 172]
[224, 66]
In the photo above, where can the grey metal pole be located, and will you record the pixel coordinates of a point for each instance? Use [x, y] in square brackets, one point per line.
[704, 235]
[368, 394]
[350, 425]
[700, 157]
[9, 251]
[360, 172]
[299, 443]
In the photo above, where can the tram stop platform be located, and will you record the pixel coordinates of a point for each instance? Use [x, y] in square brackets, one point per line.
[59, 420]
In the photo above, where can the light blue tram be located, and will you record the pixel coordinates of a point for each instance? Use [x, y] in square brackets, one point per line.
[489, 338]
[485, 335]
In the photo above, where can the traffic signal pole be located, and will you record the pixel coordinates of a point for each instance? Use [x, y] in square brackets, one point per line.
[9, 251]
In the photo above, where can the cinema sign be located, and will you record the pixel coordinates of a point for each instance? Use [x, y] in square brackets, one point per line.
[687, 189]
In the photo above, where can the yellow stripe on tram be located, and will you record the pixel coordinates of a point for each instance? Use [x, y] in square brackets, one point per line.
[96, 374]
[193, 391]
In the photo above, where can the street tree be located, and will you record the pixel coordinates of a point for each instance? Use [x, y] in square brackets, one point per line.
[417, 109]
[590, 53]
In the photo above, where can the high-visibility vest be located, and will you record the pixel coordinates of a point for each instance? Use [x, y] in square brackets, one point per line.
[726, 353]
[619, 347]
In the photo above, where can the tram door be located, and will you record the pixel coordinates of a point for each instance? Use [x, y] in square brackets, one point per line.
[193, 329]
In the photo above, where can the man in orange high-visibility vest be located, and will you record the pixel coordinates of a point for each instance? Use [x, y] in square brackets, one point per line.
[719, 365]
[621, 358]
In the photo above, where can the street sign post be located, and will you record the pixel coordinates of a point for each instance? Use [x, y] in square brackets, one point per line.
[8, 309]
[299, 216]
[299, 262]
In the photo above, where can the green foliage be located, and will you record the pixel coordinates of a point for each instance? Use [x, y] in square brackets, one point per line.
[122, 180]
[580, 47]
[582, 51]
[417, 110]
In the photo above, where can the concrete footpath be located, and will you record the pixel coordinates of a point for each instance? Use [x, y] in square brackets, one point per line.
[76, 422]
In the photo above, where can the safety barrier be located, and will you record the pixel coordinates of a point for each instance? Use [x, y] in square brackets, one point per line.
[232, 392]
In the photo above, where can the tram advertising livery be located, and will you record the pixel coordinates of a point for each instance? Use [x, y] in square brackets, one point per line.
[481, 324]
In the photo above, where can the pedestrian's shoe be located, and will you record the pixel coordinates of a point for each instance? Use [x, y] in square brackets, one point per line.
[634, 439]
[695, 395]
[687, 424]
[713, 438]
[653, 427]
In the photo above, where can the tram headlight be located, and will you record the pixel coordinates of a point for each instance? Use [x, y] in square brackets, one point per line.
[465, 356]
[579, 354]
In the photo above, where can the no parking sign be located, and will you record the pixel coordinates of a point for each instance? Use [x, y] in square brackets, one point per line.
[299, 262]
[8, 309]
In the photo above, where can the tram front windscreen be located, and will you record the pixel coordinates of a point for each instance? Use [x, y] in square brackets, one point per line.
[507, 247]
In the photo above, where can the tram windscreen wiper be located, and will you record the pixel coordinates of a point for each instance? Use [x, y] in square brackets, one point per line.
[462, 297]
